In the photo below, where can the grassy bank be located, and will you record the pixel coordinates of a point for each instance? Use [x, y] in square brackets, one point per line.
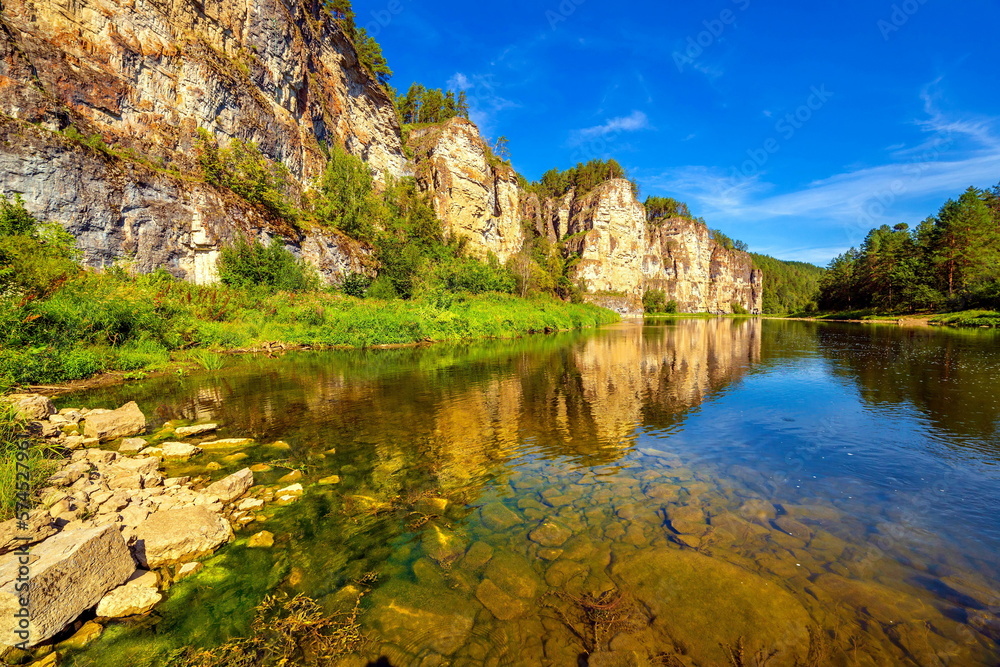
[969, 318]
[112, 322]
[966, 318]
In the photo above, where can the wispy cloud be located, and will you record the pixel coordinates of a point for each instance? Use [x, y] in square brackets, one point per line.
[635, 121]
[485, 100]
[959, 150]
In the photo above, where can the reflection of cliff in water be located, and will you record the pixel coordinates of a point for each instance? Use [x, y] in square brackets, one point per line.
[950, 376]
[465, 408]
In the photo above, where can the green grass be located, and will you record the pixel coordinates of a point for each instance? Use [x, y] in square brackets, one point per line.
[969, 318]
[37, 463]
[111, 322]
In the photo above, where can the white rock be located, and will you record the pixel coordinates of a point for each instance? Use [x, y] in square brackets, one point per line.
[251, 504]
[69, 573]
[144, 466]
[175, 536]
[197, 429]
[230, 488]
[31, 406]
[137, 596]
[179, 451]
[124, 422]
[187, 569]
[132, 445]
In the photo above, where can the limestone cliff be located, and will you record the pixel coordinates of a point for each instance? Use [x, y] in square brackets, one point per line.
[473, 193]
[143, 76]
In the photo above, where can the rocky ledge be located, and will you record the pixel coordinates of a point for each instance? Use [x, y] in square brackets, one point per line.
[111, 532]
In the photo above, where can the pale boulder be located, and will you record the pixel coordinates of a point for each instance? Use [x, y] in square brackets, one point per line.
[38, 527]
[132, 445]
[230, 488]
[124, 422]
[197, 429]
[169, 537]
[70, 573]
[179, 451]
[31, 406]
[137, 596]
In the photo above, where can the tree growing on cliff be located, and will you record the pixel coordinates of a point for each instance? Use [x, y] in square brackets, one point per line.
[423, 105]
[584, 177]
[659, 209]
[371, 57]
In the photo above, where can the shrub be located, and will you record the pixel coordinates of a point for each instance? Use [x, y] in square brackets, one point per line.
[655, 301]
[739, 309]
[355, 284]
[476, 277]
[252, 265]
[347, 200]
[35, 257]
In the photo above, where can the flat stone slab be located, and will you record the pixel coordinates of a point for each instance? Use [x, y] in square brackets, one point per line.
[124, 422]
[67, 574]
[170, 537]
[230, 488]
[197, 429]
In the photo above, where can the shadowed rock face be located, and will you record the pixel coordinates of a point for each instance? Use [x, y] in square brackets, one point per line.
[145, 77]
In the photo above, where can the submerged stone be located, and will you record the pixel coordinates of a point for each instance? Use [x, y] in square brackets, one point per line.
[478, 555]
[703, 602]
[500, 604]
[407, 614]
[497, 516]
[550, 533]
[442, 546]
[513, 574]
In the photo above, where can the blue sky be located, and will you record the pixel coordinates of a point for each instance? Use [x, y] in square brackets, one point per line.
[794, 126]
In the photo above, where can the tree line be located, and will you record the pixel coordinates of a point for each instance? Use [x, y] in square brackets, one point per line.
[431, 105]
[584, 177]
[949, 261]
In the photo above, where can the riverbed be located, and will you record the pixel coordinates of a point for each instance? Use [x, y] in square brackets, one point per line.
[670, 493]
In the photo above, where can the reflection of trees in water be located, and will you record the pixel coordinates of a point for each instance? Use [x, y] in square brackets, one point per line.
[950, 376]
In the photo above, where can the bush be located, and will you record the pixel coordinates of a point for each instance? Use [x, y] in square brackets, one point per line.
[739, 309]
[356, 284]
[477, 277]
[655, 301]
[35, 257]
[252, 265]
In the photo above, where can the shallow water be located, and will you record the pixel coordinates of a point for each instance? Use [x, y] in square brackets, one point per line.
[650, 494]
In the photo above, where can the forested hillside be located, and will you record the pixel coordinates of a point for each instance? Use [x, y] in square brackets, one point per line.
[789, 287]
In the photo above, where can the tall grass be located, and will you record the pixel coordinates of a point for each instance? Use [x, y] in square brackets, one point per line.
[38, 466]
[109, 321]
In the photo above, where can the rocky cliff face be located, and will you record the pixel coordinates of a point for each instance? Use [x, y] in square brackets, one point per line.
[477, 197]
[144, 76]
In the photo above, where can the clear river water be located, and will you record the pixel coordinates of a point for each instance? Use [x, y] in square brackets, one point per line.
[671, 493]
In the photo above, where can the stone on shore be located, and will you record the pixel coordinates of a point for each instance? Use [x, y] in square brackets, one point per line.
[39, 526]
[132, 445]
[137, 596]
[197, 429]
[31, 406]
[169, 537]
[230, 488]
[70, 573]
[124, 422]
[179, 451]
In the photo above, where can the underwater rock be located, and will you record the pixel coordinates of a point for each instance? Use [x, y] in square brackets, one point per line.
[478, 555]
[497, 516]
[501, 605]
[70, 573]
[124, 422]
[291, 477]
[550, 533]
[169, 537]
[406, 614]
[442, 546]
[758, 510]
[886, 605]
[83, 637]
[687, 520]
[793, 527]
[227, 443]
[703, 602]
[513, 574]
[262, 540]
[329, 481]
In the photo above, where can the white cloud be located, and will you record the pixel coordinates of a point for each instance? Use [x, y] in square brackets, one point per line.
[633, 122]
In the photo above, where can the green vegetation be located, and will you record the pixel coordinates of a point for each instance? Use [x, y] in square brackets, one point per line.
[789, 287]
[252, 265]
[726, 242]
[659, 209]
[544, 267]
[948, 262]
[430, 105]
[37, 462]
[369, 51]
[583, 177]
[65, 324]
[654, 301]
[969, 318]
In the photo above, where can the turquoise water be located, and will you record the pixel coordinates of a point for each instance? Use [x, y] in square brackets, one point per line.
[657, 494]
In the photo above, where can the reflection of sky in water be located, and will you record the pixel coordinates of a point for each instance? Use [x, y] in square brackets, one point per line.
[895, 430]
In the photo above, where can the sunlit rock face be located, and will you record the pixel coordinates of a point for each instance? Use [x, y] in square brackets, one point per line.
[476, 197]
[143, 78]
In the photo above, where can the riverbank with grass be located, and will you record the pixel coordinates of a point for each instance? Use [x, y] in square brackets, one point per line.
[966, 318]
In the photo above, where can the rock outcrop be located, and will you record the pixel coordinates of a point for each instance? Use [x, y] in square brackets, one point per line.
[474, 194]
[141, 79]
